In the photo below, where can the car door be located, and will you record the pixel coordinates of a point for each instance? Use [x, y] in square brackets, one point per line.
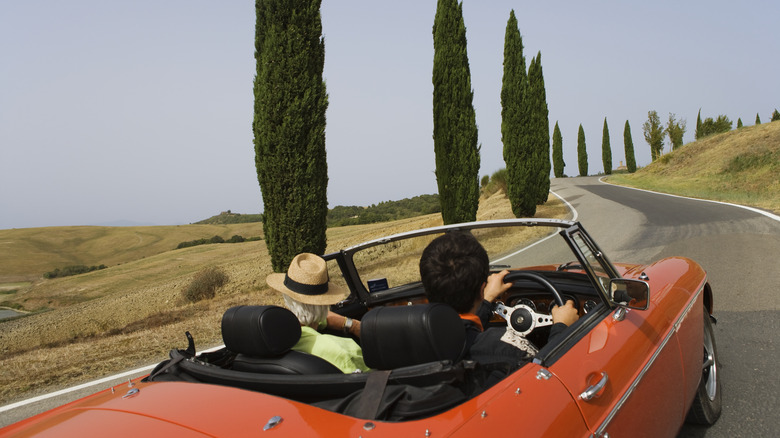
[529, 403]
[639, 367]
[625, 373]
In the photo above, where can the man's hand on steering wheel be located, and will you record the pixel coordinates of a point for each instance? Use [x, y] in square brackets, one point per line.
[566, 314]
[495, 286]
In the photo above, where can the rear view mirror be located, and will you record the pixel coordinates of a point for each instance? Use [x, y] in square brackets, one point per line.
[632, 294]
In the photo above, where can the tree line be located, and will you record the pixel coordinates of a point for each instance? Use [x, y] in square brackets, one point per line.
[290, 101]
[654, 131]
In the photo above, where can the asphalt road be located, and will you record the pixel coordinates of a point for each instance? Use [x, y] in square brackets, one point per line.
[739, 249]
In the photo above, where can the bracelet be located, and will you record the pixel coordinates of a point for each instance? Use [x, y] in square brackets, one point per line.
[347, 325]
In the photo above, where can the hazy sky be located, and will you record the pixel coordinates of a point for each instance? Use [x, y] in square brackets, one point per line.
[141, 110]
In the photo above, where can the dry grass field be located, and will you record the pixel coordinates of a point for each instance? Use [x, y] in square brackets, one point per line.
[29, 252]
[131, 314]
[741, 166]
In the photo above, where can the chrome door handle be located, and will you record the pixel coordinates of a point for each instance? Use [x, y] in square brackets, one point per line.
[593, 390]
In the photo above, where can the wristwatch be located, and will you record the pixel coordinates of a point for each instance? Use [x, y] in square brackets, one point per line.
[347, 325]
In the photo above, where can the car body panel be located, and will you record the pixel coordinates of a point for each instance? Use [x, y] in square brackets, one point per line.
[642, 357]
[195, 409]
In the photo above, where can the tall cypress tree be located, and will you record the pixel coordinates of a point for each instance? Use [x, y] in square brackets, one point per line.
[606, 150]
[454, 121]
[289, 127]
[758, 120]
[628, 144]
[518, 153]
[539, 128]
[557, 153]
[582, 153]
[698, 125]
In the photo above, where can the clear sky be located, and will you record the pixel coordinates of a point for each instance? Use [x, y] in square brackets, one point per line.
[141, 110]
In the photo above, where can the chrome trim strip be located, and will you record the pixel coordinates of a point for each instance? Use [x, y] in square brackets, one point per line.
[655, 355]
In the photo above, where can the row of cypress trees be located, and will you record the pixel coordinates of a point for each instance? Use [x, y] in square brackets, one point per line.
[525, 130]
[289, 124]
[606, 150]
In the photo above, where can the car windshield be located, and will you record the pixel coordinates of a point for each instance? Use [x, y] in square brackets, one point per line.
[393, 262]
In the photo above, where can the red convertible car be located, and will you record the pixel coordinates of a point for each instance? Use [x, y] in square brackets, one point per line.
[640, 360]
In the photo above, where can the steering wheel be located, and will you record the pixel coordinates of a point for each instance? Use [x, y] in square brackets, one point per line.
[522, 318]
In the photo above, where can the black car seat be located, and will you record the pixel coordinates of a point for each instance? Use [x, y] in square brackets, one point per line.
[262, 337]
[400, 336]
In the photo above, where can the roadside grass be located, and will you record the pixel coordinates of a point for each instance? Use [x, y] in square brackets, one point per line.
[741, 167]
[132, 314]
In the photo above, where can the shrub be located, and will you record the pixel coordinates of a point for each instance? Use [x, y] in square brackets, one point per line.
[204, 284]
[497, 182]
[72, 270]
[717, 126]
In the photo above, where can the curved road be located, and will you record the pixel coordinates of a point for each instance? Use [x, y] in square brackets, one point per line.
[740, 250]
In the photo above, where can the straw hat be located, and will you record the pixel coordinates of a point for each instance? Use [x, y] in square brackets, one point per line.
[307, 282]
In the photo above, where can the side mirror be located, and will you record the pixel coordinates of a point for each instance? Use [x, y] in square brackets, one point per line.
[628, 293]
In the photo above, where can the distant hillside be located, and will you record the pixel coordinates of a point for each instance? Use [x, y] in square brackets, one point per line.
[384, 211]
[350, 215]
[741, 166]
[27, 253]
[227, 217]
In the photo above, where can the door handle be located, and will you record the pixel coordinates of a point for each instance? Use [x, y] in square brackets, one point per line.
[594, 390]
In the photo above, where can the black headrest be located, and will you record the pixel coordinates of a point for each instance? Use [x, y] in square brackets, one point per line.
[260, 331]
[399, 336]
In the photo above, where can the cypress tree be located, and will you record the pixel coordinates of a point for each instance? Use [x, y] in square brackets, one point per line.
[628, 144]
[698, 125]
[606, 150]
[775, 115]
[758, 119]
[539, 129]
[289, 127]
[582, 153]
[739, 122]
[454, 121]
[557, 153]
[518, 153]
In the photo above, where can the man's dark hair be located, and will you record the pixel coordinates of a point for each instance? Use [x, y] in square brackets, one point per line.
[453, 267]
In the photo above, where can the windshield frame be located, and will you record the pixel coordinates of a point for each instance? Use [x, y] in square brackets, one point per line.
[570, 231]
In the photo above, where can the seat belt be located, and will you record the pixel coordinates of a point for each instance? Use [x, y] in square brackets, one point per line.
[372, 394]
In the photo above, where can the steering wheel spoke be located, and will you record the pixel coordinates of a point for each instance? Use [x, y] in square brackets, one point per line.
[522, 318]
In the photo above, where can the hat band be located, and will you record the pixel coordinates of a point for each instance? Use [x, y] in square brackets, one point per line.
[305, 289]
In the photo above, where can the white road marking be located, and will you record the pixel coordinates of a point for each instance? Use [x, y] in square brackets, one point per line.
[574, 218]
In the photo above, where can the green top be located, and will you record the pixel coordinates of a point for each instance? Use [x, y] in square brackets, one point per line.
[344, 353]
